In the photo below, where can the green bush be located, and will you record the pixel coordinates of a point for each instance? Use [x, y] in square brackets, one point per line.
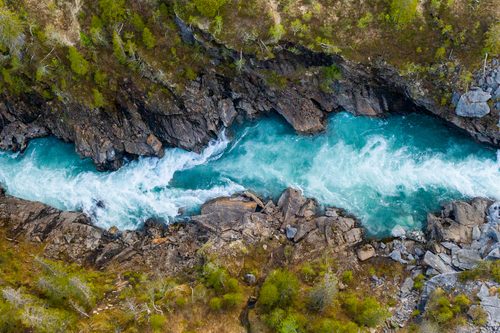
[365, 20]
[209, 8]
[347, 276]
[99, 100]
[276, 32]
[112, 11]
[11, 31]
[215, 303]
[78, 63]
[137, 22]
[148, 38]
[232, 300]
[330, 326]
[321, 296]
[215, 277]
[492, 40]
[442, 308]
[366, 312]
[403, 12]
[418, 282]
[157, 322]
[279, 290]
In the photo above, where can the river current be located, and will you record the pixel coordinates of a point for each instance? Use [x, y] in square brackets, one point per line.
[388, 172]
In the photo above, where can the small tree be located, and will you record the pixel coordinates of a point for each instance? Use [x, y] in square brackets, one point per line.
[78, 63]
[322, 295]
[403, 12]
[209, 8]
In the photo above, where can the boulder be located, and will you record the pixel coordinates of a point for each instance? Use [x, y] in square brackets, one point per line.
[434, 261]
[290, 203]
[494, 213]
[290, 232]
[465, 259]
[473, 104]
[365, 252]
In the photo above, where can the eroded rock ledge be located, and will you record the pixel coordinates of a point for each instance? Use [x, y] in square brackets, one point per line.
[143, 123]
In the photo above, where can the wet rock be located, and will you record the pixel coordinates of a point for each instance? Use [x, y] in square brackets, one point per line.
[365, 252]
[473, 104]
[398, 232]
[434, 261]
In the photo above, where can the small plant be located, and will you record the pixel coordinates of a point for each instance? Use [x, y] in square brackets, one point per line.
[403, 12]
[157, 322]
[112, 11]
[99, 100]
[276, 32]
[418, 282]
[347, 276]
[365, 20]
[322, 295]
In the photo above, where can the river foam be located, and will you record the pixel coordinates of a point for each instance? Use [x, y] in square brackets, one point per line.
[387, 172]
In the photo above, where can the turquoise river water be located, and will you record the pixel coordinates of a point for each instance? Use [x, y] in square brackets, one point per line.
[387, 172]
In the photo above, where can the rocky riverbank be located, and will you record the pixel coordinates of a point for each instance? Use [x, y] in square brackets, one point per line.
[303, 87]
[292, 231]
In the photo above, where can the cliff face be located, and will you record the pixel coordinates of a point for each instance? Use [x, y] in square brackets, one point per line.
[297, 85]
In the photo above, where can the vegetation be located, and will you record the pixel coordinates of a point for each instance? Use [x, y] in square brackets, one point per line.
[78, 63]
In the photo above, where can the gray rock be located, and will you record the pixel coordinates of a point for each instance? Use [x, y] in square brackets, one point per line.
[250, 279]
[396, 256]
[465, 259]
[446, 258]
[494, 213]
[434, 261]
[476, 233]
[407, 286]
[473, 104]
[490, 304]
[290, 232]
[493, 255]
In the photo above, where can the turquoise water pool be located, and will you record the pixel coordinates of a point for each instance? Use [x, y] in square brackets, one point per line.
[387, 172]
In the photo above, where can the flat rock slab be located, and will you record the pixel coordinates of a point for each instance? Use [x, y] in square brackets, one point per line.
[473, 104]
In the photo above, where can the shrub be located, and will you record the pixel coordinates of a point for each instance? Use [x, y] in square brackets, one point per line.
[112, 11]
[478, 315]
[492, 40]
[440, 53]
[403, 12]
[148, 38]
[232, 300]
[157, 322]
[443, 309]
[367, 312]
[99, 100]
[215, 303]
[215, 277]
[11, 31]
[322, 295]
[96, 30]
[279, 289]
[347, 277]
[307, 273]
[78, 63]
[330, 325]
[418, 282]
[209, 8]
[100, 78]
[276, 32]
[365, 20]
[137, 22]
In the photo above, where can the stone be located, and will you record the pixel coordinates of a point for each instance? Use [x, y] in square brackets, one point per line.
[407, 286]
[398, 232]
[290, 203]
[250, 279]
[365, 252]
[490, 304]
[494, 213]
[434, 261]
[396, 256]
[465, 259]
[493, 255]
[476, 233]
[290, 232]
[473, 104]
